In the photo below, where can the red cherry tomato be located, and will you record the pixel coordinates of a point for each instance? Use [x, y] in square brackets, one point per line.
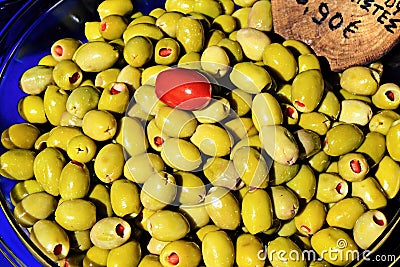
[183, 89]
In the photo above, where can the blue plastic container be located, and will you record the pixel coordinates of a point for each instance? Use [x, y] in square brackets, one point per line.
[26, 38]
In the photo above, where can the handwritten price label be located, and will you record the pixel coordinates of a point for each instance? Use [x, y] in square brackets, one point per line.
[346, 32]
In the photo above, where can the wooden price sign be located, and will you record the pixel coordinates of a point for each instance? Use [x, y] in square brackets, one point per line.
[346, 32]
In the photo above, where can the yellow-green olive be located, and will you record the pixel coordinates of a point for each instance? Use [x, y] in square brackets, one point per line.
[149, 74]
[217, 110]
[304, 183]
[167, 51]
[150, 260]
[266, 110]
[95, 56]
[307, 90]
[201, 233]
[191, 189]
[166, 225]
[279, 143]
[290, 114]
[241, 101]
[342, 139]
[288, 228]
[167, 22]
[80, 240]
[217, 249]
[138, 51]
[330, 105]
[331, 188]
[370, 192]
[64, 49]
[51, 239]
[373, 148]
[180, 253]
[355, 111]
[382, 120]
[100, 125]
[24, 188]
[393, 141]
[368, 227]
[334, 239]
[359, 80]
[209, 8]
[67, 75]
[92, 31]
[125, 199]
[281, 173]
[59, 136]
[297, 47]
[96, 256]
[248, 248]
[285, 202]
[311, 219]
[36, 79]
[212, 140]
[109, 163]
[47, 167]
[353, 167]
[215, 60]
[181, 154]
[158, 191]
[221, 172]
[190, 33]
[81, 100]
[320, 161]
[31, 109]
[223, 208]
[175, 122]
[147, 30]
[112, 27]
[224, 22]
[345, 213]
[130, 76]
[281, 61]
[47, 60]
[54, 102]
[155, 246]
[387, 176]
[12, 160]
[131, 136]
[387, 96]
[125, 255]
[282, 251]
[140, 167]
[257, 213]
[110, 232]
[114, 98]
[250, 78]
[242, 16]
[252, 141]
[251, 166]
[260, 16]
[76, 214]
[308, 62]
[100, 197]
[34, 207]
[309, 143]
[74, 180]
[253, 42]
[81, 148]
[315, 121]
[196, 215]
[146, 97]
[347, 95]
[115, 7]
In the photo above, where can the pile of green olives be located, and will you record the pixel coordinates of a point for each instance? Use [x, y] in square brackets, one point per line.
[280, 154]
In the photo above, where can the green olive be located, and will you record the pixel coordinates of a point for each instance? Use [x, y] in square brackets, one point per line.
[140, 167]
[308, 62]
[233, 49]
[288, 228]
[241, 101]
[212, 140]
[309, 143]
[285, 202]
[191, 189]
[131, 136]
[80, 240]
[109, 163]
[201, 233]
[359, 80]
[281, 173]
[251, 141]
[138, 51]
[247, 252]
[281, 252]
[167, 22]
[24, 188]
[315, 121]
[20, 135]
[76, 214]
[331, 188]
[257, 213]
[125, 200]
[224, 22]
[342, 139]
[242, 16]
[114, 98]
[67, 119]
[147, 30]
[47, 168]
[149, 74]
[175, 122]
[67, 75]
[158, 191]
[95, 56]
[64, 49]
[54, 102]
[387, 176]
[31, 109]
[387, 96]
[209, 8]
[96, 256]
[100, 125]
[196, 215]
[345, 213]
[266, 110]
[112, 27]
[130, 76]
[307, 90]
[155, 246]
[181, 154]
[330, 105]
[36, 79]
[110, 233]
[279, 143]
[34, 207]
[167, 51]
[217, 110]
[12, 160]
[92, 31]
[368, 227]
[166, 225]
[221, 172]
[250, 78]
[311, 219]
[251, 166]
[370, 192]
[51, 239]
[334, 239]
[320, 161]
[282, 62]
[59, 136]
[128, 254]
[223, 208]
[392, 141]
[260, 16]
[253, 42]
[190, 33]
[81, 100]
[355, 111]
[181, 253]
[382, 120]
[146, 97]
[304, 183]
[373, 148]
[217, 249]
[215, 60]
[100, 197]
[74, 180]
[81, 148]
[353, 167]
[47, 60]
[115, 7]
[150, 260]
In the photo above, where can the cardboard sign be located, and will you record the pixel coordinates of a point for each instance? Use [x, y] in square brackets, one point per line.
[346, 32]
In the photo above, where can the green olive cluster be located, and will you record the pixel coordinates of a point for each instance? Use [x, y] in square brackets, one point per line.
[289, 156]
